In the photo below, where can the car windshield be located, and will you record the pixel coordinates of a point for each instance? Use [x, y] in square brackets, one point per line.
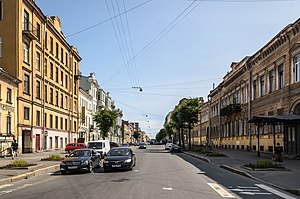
[118, 152]
[95, 145]
[79, 153]
[142, 143]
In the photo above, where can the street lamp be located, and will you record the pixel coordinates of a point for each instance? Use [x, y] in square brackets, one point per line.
[138, 87]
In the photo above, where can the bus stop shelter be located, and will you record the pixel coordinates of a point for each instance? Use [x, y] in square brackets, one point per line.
[291, 132]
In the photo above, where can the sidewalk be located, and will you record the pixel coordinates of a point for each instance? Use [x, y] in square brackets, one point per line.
[11, 175]
[287, 180]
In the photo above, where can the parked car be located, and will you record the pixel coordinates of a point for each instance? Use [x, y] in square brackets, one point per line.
[175, 148]
[125, 145]
[73, 146]
[119, 158]
[101, 146]
[113, 144]
[142, 145]
[168, 146]
[80, 160]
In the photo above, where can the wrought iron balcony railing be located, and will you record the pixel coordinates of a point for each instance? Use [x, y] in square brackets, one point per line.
[29, 30]
[230, 109]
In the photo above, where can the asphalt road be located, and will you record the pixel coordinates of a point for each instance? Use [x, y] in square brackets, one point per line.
[158, 174]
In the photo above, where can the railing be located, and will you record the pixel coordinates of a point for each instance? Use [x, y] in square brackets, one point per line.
[30, 30]
[230, 109]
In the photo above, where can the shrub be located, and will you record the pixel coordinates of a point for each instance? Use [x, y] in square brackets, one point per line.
[20, 163]
[262, 164]
[53, 157]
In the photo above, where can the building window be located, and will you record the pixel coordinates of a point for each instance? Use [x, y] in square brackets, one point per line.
[38, 118]
[51, 70]
[56, 97]
[61, 123]
[280, 76]
[62, 100]
[62, 78]
[26, 52]
[271, 81]
[0, 44]
[38, 89]
[51, 45]
[38, 62]
[56, 50]
[66, 81]
[8, 123]
[62, 55]
[262, 85]
[26, 113]
[66, 124]
[26, 84]
[26, 20]
[56, 122]
[51, 121]
[1, 10]
[75, 126]
[75, 105]
[56, 73]
[45, 67]
[297, 68]
[67, 59]
[9, 93]
[46, 93]
[38, 31]
[254, 89]
[51, 95]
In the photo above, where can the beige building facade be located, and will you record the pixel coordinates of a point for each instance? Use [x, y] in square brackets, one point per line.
[35, 50]
[266, 83]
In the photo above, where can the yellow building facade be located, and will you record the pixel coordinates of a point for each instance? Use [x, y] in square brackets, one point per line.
[35, 50]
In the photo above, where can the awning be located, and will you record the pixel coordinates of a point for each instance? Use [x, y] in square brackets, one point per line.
[275, 119]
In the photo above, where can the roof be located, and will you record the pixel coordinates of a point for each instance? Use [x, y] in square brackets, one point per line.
[275, 119]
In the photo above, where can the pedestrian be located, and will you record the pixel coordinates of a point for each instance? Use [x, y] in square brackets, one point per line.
[277, 153]
[14, 147]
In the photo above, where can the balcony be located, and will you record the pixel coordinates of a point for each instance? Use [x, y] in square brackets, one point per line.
[30, 31]
[231, 109]
[77, 74]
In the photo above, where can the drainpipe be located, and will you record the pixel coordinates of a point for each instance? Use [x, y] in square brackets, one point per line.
[249, 103]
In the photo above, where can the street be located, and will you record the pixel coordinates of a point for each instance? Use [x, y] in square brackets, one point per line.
[158, 174]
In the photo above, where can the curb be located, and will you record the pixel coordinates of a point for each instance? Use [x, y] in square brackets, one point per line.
[243, 173]
[29, 174]
[198, 156]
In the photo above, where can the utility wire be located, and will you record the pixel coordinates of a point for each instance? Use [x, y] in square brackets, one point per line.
[165, 31]
[107, 20]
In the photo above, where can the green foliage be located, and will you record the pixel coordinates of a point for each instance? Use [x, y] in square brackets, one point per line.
[105, 120]
[136, 135]
[262, 164]
[161, 135]
[53, 157]
[18, 164]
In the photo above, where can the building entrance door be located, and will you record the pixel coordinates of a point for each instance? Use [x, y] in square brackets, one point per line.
[37, 142]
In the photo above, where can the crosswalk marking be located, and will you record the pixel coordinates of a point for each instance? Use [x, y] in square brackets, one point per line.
[5, 185]
[274, 191]
[220, 190]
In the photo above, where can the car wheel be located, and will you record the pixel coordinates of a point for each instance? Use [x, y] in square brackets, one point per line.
[90, 168]
[63, 172]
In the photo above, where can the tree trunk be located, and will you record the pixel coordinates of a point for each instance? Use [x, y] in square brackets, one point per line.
[190, 138]
[182, 138]
[179, 139]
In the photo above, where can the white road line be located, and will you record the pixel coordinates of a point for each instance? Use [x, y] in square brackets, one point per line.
[241, 187]
[274, 191]
[5, 185]
[220, 190]
[167, 188]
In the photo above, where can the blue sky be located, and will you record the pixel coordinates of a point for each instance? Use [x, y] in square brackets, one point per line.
[170, 48]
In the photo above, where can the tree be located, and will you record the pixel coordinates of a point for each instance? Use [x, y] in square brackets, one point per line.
[169, 130]
[105, 120]
[136, 135]
[161, 135]
[178, 125]
[188, 114]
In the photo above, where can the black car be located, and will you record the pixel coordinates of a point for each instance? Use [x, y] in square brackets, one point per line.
[175, 148]
[142, 145]
[80, 160]
[119, 158]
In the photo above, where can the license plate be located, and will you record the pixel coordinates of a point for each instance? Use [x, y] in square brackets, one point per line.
[73, 167]
[116, 165]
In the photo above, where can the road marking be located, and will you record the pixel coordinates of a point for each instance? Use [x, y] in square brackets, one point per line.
[241, 190]
[274, 191]
[252, 194]
[5, 185]
[220, 190]
[241, 187]
[167, 188]
[135, 170]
